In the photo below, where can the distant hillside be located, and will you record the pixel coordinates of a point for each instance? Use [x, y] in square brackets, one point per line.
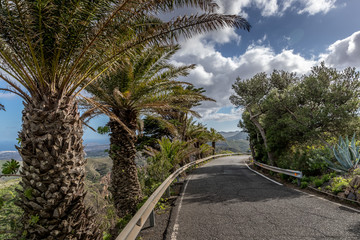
[229, 134]
[236, 141]
[91, 150]
[238, 136]
[96, 150]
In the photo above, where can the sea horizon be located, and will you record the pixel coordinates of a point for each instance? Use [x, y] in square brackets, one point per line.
[8, 145]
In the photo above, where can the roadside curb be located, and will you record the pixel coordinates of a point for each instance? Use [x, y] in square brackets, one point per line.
[327, 196]
[341, 199]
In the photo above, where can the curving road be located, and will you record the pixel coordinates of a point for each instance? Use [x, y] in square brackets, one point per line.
[225, 200]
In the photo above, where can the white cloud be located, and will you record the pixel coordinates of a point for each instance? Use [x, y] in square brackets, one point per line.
[344, 53]
[313, 7]
[216, 73]
[201, 77]
[222, 117]
[276, 7]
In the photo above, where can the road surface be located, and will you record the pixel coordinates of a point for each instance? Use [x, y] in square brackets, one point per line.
[225, 200]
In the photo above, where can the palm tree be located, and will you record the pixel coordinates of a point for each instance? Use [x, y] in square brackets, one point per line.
[2, 107]
[48, 49]
[214, 137]
[170, 155]
[145, 84]
[196, 132]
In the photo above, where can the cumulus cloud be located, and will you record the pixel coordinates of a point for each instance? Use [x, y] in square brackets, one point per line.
[216, 73]
[313, 7]
[210, 115]
[344, 53]
[276, 7]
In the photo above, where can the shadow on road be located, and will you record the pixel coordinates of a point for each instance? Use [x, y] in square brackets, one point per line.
[355, 229]
[227, 183]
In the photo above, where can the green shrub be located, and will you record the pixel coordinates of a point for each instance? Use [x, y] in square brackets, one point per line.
[338, 184]
[356, 171]
[284, 177]
[325, 178]
[309, 160]
[304, 184]
[318, 182]
[10, 214]
[333, 174]
[316, 160]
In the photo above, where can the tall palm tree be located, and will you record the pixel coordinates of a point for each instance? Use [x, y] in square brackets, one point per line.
[214, 137]
[145, 84]
[48, 49]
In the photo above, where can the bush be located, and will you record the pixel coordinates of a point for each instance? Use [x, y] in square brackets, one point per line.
[326, 177]
[356, 171]
[304, 184]
[285, 177]
[309, 160]
[318, 182]
[316, 161]
[338, 184]
[10, 214]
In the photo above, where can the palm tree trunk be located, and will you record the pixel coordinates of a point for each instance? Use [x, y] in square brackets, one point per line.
[54, 171]
[213, 145]
[125, 186]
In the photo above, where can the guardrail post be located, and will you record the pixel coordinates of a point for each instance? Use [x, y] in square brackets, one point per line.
[152, 219]
[299, 182]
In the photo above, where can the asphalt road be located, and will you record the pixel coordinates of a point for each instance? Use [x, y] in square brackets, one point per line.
[225, 200]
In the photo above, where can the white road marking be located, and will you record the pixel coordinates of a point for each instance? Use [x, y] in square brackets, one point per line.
[311, 195]
[338, 204]
[176, 225]
[263, 175]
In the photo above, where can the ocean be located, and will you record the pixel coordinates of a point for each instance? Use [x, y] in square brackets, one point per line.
[93, 148]
[8, 145]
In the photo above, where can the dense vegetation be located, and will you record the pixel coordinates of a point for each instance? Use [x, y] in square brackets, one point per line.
[295, 122]
[50, 51]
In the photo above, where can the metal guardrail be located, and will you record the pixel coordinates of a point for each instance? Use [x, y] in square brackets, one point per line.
[135, 225]
[293, 173]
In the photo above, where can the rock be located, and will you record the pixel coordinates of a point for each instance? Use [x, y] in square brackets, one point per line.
[351, 196]
[358, 195]
[341, 194]
[355, 182]
[347, 191]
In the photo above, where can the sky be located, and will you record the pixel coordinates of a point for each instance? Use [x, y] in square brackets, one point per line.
[290, 35]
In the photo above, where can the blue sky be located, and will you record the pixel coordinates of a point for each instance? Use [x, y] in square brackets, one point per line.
[291, 35]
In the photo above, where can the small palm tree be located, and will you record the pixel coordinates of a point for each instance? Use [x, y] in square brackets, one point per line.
[169, 156]
[214, 137]
[48, 51]
[145, 84]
